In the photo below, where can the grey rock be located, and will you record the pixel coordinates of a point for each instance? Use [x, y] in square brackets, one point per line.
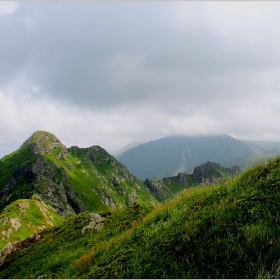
[95, 222]
[132, 198]
[182, 178]
[206, 172]
[155, 186]
[116, 181]
[6, 251]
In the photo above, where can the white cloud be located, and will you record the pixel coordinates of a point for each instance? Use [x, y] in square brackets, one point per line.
[7, 7]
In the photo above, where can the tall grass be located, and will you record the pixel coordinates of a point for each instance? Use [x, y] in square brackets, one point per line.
[229, 230]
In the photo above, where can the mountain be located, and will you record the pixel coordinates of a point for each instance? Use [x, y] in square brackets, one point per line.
[207, 174]
[262, 152]
[68, 181]
[127, 147]
[170, 155]
[224, 231]
[262, 148]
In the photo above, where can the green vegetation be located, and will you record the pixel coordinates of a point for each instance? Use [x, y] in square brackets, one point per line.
[70, 180]
[175, 186]
[227, 230]
[24, 218]
[62, 248]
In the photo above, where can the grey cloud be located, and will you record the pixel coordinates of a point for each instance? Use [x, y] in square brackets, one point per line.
[67, 48]
[163, 67]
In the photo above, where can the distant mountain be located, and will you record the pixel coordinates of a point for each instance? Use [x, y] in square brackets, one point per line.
[127, 147]
[262, 148]
[67, 181]
[262, 151]
[176, 154]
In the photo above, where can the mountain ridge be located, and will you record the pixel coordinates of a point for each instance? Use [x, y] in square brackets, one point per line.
[173, 154]
[71, 181]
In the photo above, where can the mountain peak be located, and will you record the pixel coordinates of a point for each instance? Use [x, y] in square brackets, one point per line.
[41, 142]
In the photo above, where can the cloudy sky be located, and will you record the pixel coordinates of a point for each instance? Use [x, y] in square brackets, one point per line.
[108, 73]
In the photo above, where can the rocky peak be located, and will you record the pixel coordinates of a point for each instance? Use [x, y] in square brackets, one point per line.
[207, 171]
[41, 142]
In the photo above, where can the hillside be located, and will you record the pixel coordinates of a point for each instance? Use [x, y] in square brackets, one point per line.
[170, 155]
[229, 230]
[24, 218]
[70, 181]
[207, 173]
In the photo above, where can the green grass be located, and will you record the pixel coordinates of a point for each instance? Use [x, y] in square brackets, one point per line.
[32, 220]
[63, 247]
[228, 230]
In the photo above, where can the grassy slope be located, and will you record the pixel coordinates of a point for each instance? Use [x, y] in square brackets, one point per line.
[229, 230]
[33, 215]
[9, 163]
[63, 247]
[99, 172]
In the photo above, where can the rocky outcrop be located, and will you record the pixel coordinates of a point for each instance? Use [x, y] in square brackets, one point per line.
[95, 222]
[6, 251]
[132, 198]
[182, 178]
[157, 187]
[234, 170]
[209, 172]
[42, 142]
[49, 181]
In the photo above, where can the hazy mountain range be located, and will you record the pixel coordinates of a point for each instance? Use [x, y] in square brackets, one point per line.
[168, 156]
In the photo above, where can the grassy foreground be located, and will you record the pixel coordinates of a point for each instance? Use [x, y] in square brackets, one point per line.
[229, 230]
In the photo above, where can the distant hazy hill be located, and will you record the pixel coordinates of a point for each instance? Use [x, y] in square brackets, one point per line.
[127, 147]
[167, 156]
[262, 152]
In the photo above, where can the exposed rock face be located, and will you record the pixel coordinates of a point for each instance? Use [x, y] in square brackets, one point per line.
[206, 171]
[132, 198]
[56, 191]
[155, 186]
[116, 181]
[234, 170]
[209, 172]
[15, 223]
[6, 251]
[95, 222]
[182, 178]
[42, 142]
